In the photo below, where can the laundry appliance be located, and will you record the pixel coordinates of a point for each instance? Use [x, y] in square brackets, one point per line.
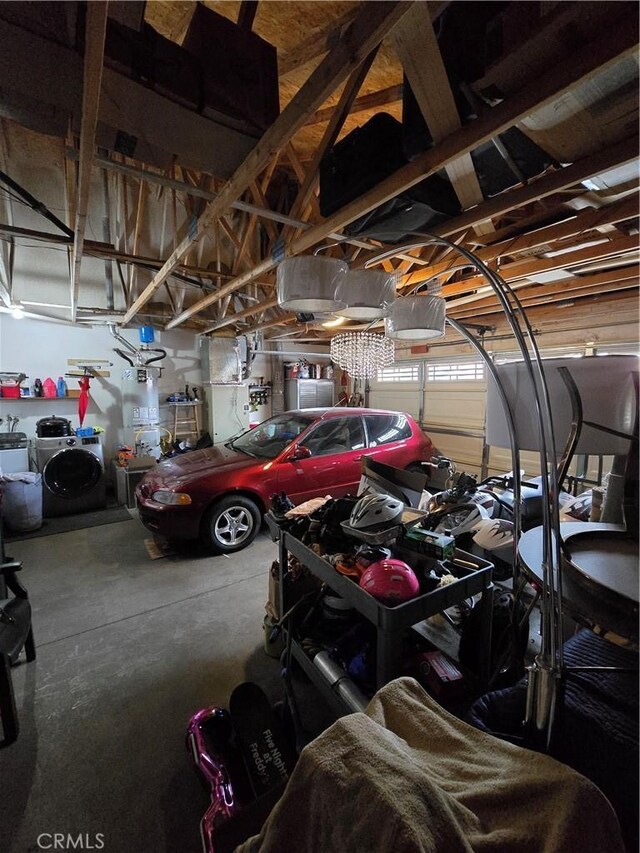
[73, 475]
[14, 453]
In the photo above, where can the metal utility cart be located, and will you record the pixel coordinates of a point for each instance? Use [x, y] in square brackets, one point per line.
[390, 622]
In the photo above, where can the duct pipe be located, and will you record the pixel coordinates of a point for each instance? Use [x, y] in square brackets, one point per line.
[288, 353]
[116, 334]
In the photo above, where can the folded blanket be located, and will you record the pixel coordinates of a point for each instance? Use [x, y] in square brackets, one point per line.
[408, 777]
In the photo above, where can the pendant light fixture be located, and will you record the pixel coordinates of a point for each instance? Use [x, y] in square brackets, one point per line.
[367, 294]
[362, 354]
[307, 284]
[416, 318]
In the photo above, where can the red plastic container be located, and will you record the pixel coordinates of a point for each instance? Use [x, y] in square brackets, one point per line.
[10, 391]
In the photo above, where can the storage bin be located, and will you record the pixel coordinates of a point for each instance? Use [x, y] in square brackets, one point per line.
[22, 505]
[10, 391]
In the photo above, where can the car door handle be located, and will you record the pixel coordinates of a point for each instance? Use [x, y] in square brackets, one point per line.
[358, 458]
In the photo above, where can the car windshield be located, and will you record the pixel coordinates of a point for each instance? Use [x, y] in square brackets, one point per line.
[270, 438]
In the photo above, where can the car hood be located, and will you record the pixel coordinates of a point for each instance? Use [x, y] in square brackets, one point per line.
[188, 467]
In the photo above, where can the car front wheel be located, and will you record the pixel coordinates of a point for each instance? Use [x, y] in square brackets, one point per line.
[230, 524]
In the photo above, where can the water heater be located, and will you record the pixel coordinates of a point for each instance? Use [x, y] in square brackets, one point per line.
[140, 410]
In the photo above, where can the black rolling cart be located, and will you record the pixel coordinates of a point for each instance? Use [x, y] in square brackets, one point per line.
[390, 622]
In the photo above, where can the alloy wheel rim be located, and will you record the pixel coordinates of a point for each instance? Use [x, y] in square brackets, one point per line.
[233, 526]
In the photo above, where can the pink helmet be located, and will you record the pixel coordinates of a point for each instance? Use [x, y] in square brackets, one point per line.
[390, 581]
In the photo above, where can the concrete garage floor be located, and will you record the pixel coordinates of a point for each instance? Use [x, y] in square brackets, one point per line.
[128, 648]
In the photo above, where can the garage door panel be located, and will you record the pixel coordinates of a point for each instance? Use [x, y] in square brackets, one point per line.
[465, 451]
[454, 408]
[396, 399]
[500, 461]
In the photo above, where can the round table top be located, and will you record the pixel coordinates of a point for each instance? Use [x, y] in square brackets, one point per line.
[600, 582]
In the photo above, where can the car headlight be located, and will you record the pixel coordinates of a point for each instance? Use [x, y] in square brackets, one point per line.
[169, 498]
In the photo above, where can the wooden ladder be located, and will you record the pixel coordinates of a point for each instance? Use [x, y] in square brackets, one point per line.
[186, 420]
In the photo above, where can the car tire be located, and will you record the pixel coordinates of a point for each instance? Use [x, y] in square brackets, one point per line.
[230, 524]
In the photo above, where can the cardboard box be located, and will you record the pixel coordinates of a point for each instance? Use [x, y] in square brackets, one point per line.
[440, 676]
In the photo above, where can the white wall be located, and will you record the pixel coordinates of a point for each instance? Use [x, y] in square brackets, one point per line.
[41, 349]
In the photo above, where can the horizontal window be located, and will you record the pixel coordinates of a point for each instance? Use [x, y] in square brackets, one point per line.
[464, 371]
[399, 373]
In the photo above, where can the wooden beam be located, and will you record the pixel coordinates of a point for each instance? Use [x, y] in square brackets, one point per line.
[182, 186]
[381, 98]
[252, 221]
[247, 14]
[586, 61]
[517, 271]
[416, 44]
[315, 45]
[96, 27]
[242, 315]
[368, 29]
[590, 58]
[319, 43]
[608, 277]
[351, 89]
[285, 320]
[612, 280]
[258, 196]
[137, 232]
[586, 220]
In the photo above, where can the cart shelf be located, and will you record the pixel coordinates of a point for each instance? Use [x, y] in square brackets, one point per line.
[390, 622]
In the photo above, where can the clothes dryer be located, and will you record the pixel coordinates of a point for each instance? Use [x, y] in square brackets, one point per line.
[73, 474]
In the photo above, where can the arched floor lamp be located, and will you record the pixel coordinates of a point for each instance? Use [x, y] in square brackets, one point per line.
[424, 317]
[544, 681]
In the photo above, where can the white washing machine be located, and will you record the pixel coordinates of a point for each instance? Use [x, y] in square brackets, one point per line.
[14, 453]
[73, 477]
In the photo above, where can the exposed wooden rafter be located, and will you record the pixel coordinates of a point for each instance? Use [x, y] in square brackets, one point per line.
[381, 98]
[95, 30]
[581, 65]
[330, 135]
[367, 30]
[416, 45]
[580, 224]
[247, 14]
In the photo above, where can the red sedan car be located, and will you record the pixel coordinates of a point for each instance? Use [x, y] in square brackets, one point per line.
[220, 494]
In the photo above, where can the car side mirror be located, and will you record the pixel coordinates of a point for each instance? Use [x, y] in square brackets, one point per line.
[300, 452]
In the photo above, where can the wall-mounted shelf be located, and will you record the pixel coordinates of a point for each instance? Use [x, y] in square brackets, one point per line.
[72, 394]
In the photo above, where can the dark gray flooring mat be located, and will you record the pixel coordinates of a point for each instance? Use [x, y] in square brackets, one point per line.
[64, 524]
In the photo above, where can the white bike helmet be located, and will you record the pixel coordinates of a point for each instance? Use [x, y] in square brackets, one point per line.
[493, 533]
[375, 510]
[458, 519]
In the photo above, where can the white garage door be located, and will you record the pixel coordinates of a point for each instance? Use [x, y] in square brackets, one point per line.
[448, 396]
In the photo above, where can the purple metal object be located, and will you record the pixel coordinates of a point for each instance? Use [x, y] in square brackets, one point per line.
[208, 734]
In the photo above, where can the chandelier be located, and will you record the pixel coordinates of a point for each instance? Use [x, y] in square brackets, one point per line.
[362, 354]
